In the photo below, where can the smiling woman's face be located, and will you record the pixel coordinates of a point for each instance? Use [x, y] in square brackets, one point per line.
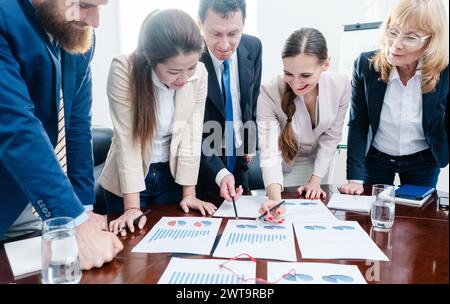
[302, 73]
[400, 52]
[176, 71]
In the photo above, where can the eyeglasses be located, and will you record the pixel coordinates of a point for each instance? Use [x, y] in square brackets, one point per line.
[407, 40]
[290, 276]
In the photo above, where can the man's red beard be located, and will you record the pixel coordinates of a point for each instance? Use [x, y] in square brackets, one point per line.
[72, 39]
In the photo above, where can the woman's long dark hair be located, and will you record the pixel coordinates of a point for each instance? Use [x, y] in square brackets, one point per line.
[303, 41]
[163, 35]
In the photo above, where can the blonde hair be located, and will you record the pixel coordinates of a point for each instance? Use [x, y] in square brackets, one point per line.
[428, 16]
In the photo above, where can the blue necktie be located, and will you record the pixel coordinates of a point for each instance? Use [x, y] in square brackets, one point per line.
[230, 148]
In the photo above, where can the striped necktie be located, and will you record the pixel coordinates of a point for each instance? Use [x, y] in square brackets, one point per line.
[60, 149]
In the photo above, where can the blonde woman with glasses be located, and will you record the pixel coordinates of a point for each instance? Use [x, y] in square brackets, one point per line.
[398, 118]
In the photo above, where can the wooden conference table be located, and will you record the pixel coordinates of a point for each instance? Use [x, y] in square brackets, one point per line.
[417, 248]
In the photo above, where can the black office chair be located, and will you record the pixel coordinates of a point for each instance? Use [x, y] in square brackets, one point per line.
[101, 138]
[255, 180]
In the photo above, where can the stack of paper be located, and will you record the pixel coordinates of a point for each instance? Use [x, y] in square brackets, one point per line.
[24, 256]
[350, 202]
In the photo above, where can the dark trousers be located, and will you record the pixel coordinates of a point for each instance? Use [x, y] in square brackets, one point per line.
[208, 190]
[416, 169]
[160, 189]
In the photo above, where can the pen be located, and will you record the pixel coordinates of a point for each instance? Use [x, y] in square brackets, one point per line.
[136, 220]
[271, 209]
[235, 210]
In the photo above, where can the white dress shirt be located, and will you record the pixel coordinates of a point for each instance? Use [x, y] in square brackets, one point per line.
[236, 98]
[165, 109]
[400, 131]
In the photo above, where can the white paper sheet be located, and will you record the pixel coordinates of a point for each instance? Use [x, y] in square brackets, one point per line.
[24, 256]
[313, 273]
[247, 207]
[257, 238]
[339, 240]
[196, 271]
[347, 202]
[302, 210]
[194, 235]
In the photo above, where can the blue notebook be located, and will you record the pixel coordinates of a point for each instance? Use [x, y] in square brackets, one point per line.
[413, 192]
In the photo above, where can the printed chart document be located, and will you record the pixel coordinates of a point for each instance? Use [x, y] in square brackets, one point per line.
[347, 202]
[24, 256]
[257, 238]
[302, 210]
[339, 240]
[313, 273]
[194, 235]
[193, 271]
[247, 207]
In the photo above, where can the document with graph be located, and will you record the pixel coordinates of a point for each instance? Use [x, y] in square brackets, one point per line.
[337, 240]
[200, 271]
[303, 210]
[259, 239]
[246, 206]
[194, 235]
[313, 273]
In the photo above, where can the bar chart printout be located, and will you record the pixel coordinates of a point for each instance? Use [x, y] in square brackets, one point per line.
[194, 235]
[193, 271]
[259, 239]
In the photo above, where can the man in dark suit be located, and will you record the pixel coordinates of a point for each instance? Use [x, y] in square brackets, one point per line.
[233, 61]
[46, 162]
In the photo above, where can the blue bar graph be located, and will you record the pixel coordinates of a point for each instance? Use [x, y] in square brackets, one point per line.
[202, 278]
[175, 234]
[253, 238]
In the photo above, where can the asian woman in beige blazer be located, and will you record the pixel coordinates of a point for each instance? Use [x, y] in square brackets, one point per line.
[300, 118]
[157, 100]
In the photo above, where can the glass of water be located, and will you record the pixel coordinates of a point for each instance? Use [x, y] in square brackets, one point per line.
[382, 212]
[60, 258]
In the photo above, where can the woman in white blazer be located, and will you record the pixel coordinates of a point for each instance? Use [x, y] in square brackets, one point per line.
[300, 118]
[157, 101]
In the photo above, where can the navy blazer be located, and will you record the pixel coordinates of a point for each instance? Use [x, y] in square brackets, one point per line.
[249, 54]
[367, 102]
[32, 71]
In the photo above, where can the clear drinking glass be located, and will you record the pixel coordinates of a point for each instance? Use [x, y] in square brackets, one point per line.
[60, 258]
[382, 211]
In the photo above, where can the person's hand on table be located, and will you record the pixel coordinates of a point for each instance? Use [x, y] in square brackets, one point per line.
[96, 247]
[127, 218]
[352, 188]
[191, 201]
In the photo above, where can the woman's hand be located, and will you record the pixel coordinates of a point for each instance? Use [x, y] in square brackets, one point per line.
[352, 188]
[276, 215]
[127, 218]
[312, 189]
[191, 201]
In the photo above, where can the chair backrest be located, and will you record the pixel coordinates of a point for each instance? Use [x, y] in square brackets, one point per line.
[255, 180]
[101, 138]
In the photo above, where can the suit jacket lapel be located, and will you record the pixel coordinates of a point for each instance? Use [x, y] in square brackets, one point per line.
[245, 76]
[28, 9]
[214, 92]
[375, 102]
[429, 104]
